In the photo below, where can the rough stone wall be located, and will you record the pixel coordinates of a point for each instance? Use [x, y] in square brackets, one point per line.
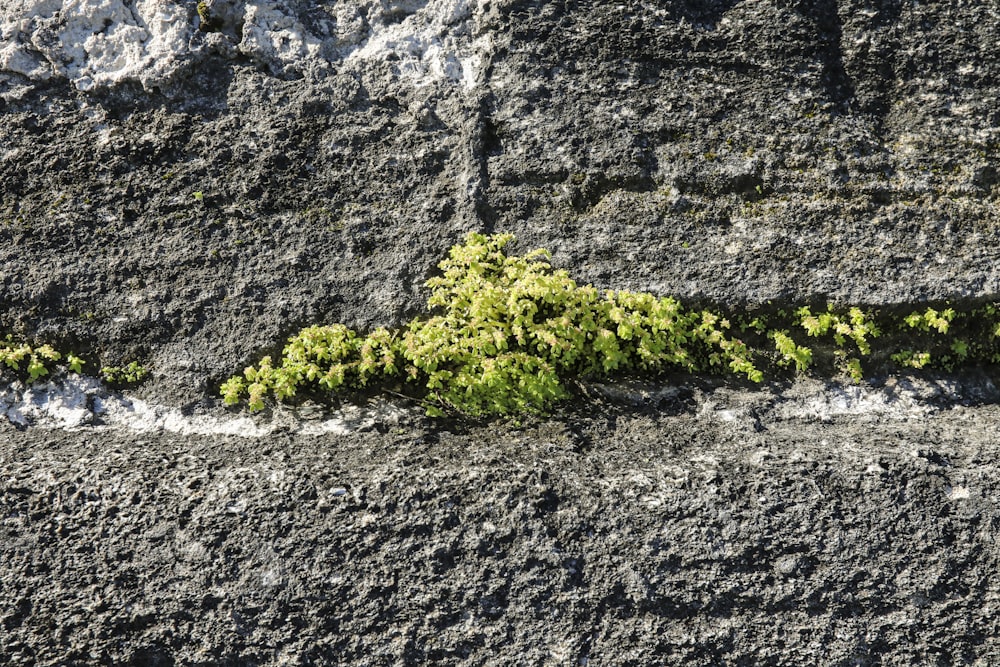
[738, 152]
[618, 539]
[188, 186]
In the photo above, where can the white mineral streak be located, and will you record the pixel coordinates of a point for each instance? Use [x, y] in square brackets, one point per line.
[95, 43]
[429, 45]
[813, 400]
[82, 402]
[274, 37]
[826, 402]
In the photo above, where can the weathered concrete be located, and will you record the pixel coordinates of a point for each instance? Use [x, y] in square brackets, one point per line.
[736, 152]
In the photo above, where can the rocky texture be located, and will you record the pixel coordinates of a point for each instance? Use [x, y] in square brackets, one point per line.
[188, 187]
[328, 188]
[677, 536]
[734, 151]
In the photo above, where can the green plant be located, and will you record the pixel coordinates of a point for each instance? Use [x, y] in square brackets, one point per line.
[209, 22]
[930, 319]
[75, 363]
[132, 373]
[855, 325]
[852, 367]
[790, 352]
[38, 361]
[911, 359]
[504, 333]
[947, 336]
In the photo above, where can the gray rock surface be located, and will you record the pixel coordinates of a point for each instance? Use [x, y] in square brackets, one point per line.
[621, 539]
[187, 188]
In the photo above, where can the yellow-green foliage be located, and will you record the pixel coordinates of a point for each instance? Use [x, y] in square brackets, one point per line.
[931, 319]
[131, 373]
[855, 325]
[504, 333]
[37, 361]
[791, 352]
[936, 330]
[33, 363]
[911, 359]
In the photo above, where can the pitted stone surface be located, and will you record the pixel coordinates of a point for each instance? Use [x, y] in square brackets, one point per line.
[188, 187]
[744, 153]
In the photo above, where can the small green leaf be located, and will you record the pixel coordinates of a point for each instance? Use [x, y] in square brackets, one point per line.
[74, 363]
[36, 368]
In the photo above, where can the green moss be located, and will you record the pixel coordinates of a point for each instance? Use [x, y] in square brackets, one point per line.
[32, 363]
[911, 359]
[507, 334]
[209, 22]
[503, 336]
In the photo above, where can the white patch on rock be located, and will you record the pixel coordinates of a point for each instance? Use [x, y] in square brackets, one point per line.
[136, 415]
[83, 402]
[96, 43]
[276, 38]
[824, 402]
[432, 44]
[815, 400]
[957, 493]
[59, 407]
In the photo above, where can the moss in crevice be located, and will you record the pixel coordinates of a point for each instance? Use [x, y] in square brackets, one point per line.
[123, 376]
[507, 334]
[33, 363]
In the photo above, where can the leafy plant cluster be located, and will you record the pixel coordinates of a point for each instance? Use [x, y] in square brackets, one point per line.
[506, 333]
[855, 326]
[949, 338]
[131, 373]
[35, 362]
